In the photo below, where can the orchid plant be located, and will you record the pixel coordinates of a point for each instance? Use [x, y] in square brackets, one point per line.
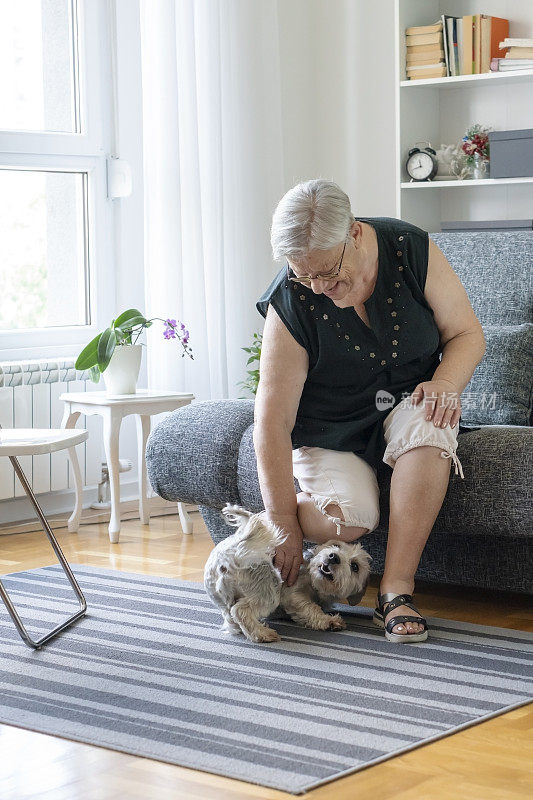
[96, 356]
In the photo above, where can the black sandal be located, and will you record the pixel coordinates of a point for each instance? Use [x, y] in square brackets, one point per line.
[393, 601]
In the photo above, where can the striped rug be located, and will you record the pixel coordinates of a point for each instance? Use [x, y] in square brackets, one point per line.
[149, 672]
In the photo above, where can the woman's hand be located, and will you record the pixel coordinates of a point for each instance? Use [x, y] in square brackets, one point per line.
[289, 555]
[442, 401]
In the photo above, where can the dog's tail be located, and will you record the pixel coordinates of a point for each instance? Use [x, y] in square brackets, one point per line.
[235, 515]
[257, 538]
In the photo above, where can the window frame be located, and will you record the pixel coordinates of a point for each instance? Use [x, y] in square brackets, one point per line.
[85, 152]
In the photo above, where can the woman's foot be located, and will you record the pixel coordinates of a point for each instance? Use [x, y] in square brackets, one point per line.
[401, 627]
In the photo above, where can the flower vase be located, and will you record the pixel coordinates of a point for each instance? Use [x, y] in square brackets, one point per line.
[120, 375]
[478, 168]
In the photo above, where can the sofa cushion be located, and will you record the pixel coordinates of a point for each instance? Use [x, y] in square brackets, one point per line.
[192, 454]
[495, 269]
[501, 389]
[248, 482]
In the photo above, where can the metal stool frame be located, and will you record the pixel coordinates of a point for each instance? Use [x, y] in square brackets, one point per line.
[62, 560]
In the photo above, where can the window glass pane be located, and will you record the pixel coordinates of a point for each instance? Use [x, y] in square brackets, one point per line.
[43, 281]
[37, 86]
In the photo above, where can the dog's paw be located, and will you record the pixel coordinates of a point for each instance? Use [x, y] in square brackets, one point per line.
[336, 623]
[265, 635]
[327, 622]
[231, 629]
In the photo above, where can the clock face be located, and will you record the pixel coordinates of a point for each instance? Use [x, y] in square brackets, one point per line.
[420, 166]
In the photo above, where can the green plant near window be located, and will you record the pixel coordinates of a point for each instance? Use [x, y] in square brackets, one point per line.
[252, 382]
[96, 356]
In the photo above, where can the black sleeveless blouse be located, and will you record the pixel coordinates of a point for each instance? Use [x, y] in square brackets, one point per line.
[350, 363]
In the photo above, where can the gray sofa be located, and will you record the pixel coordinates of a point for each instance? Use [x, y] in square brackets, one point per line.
[483, 535]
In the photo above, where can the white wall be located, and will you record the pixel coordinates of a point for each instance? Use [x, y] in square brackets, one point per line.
[336, 60]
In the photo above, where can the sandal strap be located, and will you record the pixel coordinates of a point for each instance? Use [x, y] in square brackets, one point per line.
[401, 619]
[397, 600]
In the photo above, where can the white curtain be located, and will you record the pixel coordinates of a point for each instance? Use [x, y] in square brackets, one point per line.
[213, 173]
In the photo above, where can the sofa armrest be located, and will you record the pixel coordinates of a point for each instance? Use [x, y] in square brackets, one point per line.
[192, 455]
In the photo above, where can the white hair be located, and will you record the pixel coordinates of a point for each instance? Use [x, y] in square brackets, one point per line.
[313, 215]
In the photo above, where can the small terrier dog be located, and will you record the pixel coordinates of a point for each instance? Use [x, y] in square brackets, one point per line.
[242, 581]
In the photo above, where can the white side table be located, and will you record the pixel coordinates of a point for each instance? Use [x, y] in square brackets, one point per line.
[32, 442]
[113, 408]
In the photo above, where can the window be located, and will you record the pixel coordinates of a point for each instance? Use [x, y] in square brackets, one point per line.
[43, 265]
[38, 52]
[56, 235]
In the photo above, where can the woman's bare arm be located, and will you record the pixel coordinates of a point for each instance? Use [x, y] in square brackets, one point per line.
[283, 371]
[461, 334]
[461, 338]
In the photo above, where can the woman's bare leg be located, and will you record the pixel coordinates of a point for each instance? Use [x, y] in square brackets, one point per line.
[318, 528]
[418, 487]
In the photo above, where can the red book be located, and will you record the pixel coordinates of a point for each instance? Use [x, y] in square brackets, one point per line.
[493, 31]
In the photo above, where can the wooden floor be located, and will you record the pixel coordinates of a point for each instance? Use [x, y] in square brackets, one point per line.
[490, 761]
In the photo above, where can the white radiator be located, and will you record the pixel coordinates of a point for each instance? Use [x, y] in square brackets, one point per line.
[29, 398]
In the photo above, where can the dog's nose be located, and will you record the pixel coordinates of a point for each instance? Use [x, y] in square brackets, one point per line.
[334, 558]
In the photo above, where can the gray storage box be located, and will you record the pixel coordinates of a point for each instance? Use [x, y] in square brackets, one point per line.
[487, 225]
[511, 153]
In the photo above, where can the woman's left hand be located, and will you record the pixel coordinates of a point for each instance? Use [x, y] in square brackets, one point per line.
[442, 401]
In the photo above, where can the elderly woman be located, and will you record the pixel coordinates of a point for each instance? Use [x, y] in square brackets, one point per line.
[368, 342]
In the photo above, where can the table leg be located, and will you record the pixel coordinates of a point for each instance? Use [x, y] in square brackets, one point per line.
[69, 421]
[143, 431]
[186, 521]
[112, 423]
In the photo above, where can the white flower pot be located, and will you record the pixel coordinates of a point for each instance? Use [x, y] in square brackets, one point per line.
[120, 375]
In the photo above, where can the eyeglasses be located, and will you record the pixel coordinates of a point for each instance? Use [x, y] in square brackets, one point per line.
[306, 280]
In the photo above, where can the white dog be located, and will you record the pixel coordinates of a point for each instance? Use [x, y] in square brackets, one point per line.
[242, 581]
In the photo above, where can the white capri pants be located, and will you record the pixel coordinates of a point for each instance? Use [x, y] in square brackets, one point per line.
[348, 481]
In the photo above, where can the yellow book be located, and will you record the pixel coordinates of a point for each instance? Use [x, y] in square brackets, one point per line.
[424, 38]
[419, 29]
[439, 72]
[519, 52]
[423, 48]
[467, 54]
[424, 68]
[477, 45]
[426, 58]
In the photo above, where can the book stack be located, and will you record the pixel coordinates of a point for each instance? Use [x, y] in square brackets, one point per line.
[518, 56]
[467, 45]
[425, 52]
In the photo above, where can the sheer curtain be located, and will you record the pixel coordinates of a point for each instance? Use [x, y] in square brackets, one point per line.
[213, 172]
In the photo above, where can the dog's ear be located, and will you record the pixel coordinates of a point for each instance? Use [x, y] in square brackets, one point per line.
[309, 553]
[355, 599]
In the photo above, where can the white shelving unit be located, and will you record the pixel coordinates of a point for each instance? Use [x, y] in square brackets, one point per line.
[440, 110]
[499, 78]
[438, 183]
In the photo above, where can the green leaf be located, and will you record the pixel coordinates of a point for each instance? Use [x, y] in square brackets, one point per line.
[89, 355]
[94, 374]
[123, 335]
[252, 382]
[129, 319]
[106, 346]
